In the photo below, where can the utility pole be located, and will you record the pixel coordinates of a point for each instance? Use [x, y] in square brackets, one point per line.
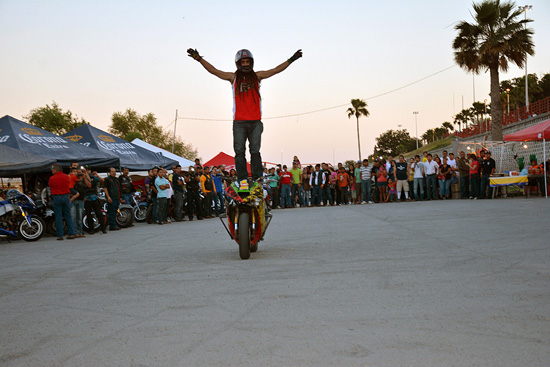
[415, 113]
[524, 9]
[174, 139]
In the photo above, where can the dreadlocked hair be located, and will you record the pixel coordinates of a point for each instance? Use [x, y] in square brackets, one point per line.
[243, 80]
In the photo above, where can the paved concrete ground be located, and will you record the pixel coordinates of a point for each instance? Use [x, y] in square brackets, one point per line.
[454, 283]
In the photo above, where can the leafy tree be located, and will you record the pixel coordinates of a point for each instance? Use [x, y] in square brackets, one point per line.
[448, 126]
[517, 90]
[494, 40]
[53, 119]
[358, 109]
[394, 142]
[129, 125]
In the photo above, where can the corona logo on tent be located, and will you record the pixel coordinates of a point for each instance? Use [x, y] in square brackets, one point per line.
[30, 131]
[74, 138]
[106, 138]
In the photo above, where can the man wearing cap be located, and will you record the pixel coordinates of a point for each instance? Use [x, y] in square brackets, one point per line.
[488, 166]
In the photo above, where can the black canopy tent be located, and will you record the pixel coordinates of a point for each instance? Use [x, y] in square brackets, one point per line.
[131, 156]
[14, 162]
[31, 139]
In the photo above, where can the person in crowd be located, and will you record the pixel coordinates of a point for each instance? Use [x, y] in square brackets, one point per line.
[333, 182]
[208, 189]
[73, 179]
[366, 171]
[488, 166]
[401, 176]
[357, 177]
[392, 190]
[444, 180]
[91, 202]
[451, 161]
[306, 187]
[352, 188]
[316, 181]
[296, 184]
[536, 182]
[112, 193]
[297, 161]
[410, 178]
[424, 156]
[178, 184]
[419, 174]
[473, 165]
[382, 181]
[192, 181]
[59, 186]
[286, 182]
[126, 186]
[343, 184]
[162, 184]
[326, 189]
[273, 188]
[78, 193]
[464, 175]
[233, 173]
[152, 189]
[431, 170]
[219, 205]
[390, 167]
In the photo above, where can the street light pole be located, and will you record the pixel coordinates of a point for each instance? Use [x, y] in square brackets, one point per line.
[524, 9]
[415, 113]
[508, 100]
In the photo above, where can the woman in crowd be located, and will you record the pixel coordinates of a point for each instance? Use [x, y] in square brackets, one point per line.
[410, 176]
[444, 180]
[332, 182]
[352, 187]
[382, 182]
[474, 176]
[306, 187]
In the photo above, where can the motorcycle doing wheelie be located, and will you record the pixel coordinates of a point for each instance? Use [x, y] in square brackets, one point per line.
[16, 221]
[247, 216]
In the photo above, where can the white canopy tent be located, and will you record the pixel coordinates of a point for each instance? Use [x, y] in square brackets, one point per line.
[184, 163]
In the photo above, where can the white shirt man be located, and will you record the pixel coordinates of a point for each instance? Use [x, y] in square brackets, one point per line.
[430, 167]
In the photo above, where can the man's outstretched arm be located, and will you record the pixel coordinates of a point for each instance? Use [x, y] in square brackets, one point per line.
[269, 73]
[211, 69]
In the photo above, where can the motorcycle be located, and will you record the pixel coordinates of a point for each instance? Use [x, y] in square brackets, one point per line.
[247, 216]
[15, 219]
[139, 205]
[124, 217]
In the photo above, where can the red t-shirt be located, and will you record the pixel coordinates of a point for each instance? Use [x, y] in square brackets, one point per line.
[247, 105]
[74, 180]
[475, 164]
[59, 183]
[286, 177]
[342, 179]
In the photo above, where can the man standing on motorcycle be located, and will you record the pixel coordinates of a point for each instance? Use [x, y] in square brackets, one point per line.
[112, 193]
[247, 113]
[59, 186]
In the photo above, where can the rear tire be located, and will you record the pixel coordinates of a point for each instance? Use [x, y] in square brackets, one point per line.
[125, 217]
[244, 236]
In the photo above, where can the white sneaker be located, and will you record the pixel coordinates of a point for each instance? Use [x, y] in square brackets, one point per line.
[363, 202]
[370, 202]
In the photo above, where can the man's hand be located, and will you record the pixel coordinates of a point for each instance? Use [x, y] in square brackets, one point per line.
[194, 54]
[295, 57]
[110, 200]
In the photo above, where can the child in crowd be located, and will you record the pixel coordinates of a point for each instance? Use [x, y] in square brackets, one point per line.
[392, 190]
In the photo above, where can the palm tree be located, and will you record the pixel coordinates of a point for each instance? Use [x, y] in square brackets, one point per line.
[447, 126]
[358, 109]
[495, 39]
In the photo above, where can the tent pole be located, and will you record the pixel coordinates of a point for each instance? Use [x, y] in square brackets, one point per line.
[544, 158]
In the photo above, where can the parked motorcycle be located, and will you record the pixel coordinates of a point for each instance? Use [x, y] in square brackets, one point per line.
[247, 216]
[15, 219]
[139, 203]
[124, 217]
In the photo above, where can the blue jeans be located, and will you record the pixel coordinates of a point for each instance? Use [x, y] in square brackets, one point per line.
[221, 199]
[327, 194]
[77, 209]
[365, 189]
[483, 187]
[431, 188]
[418, 187]
[285, 196]
[127, 199]
[251, 131]
[62, 209]
[316, 196]
[112, 210]
[297, 191]
[444, 188]
[155, 209]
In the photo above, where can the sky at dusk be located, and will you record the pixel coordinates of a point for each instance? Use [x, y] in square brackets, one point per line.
[95, 58]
